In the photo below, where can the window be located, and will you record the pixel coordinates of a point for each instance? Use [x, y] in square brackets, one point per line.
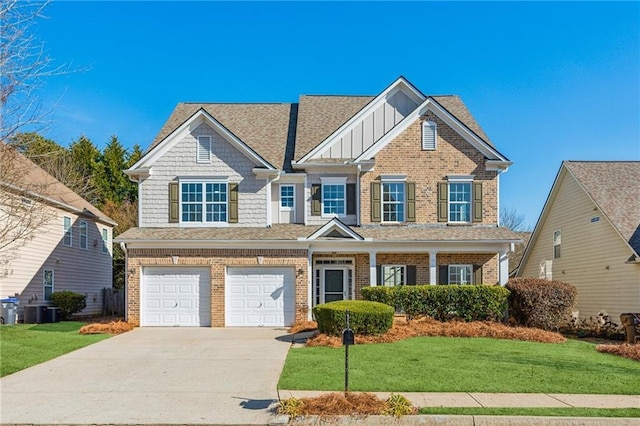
[557, 240]
[67, 240]
[203, 154]
[287, 196]
[84, 235]
[393, 202]
[105, 240]
[47, 284]
[393, 275]
[460, 274]
[333, 199]
[208, 206]
[429, 133]
[460, 202]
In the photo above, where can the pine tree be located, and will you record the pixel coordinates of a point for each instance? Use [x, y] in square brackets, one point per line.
[84, 158]
[111, 182]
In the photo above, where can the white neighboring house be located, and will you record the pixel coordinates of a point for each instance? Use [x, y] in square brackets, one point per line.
[70, 250]
[588, 235]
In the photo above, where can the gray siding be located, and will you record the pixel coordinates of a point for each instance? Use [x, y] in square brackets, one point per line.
[82, 271]
[280, 217]
[180, 162]
[313, 179]
[372, 127]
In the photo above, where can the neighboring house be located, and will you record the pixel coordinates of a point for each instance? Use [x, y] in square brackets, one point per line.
[515, 257]
[588, 235]
[251, 214]
[69, 247]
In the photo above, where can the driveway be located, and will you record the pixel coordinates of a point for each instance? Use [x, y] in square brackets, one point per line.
[154, 375]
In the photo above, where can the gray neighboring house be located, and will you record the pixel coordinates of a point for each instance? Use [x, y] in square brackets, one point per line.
[588, 235]
[70, 250]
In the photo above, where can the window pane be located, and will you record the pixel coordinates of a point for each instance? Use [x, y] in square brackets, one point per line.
[393, 202]
[333, 199]
[286, 196]
[392, 275]
[460, 274]
[460, 202]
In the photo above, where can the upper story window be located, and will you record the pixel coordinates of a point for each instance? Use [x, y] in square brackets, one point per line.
[84, 235]
[287, 196]
[334, 198]
[460, 200]
[203, 202]
[429, 135]
[393, 201]
[460, 274]
[557, 240]
[105, 240]
[203, 154]
[67, 239]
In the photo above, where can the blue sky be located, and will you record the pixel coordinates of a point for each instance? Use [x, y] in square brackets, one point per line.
[547, 81]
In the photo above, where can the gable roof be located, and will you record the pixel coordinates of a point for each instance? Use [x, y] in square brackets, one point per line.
[37, 183]
[613, 187]
[265, 128]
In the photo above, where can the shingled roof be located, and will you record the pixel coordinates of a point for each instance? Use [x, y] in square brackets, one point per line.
[281, 132]
[608, 184]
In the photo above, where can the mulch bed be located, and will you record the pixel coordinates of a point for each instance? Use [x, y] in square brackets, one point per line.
[624, 350]
[106, 327]
[429, 327]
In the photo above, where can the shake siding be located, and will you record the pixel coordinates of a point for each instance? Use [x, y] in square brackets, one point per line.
[226, 162]
[75, 269]
[593, 255]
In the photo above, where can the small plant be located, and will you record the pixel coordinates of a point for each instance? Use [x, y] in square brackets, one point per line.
[398, 405]
[292, 407]
[365, 317]
[69, 303]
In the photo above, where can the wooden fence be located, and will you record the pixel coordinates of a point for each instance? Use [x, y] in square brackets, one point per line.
[112, 302]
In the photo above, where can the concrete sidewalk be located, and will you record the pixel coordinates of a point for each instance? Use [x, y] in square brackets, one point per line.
[473, 399]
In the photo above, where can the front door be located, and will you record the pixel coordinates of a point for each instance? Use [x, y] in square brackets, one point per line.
[335, 287]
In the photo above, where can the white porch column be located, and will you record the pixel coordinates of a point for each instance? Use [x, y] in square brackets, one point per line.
[372, 269]
[504, 268]
[433, 269]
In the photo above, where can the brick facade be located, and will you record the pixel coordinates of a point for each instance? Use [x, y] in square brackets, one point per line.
[217, 260]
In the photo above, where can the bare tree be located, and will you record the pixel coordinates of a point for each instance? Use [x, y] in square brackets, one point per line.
[512, 219]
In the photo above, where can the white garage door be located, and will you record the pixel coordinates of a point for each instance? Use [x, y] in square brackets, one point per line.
[175, 296]
[260, 296]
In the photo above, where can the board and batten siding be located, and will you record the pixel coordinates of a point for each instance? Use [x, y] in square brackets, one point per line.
[75, 269]
[592, 256]
[372, 127]
[180, 162]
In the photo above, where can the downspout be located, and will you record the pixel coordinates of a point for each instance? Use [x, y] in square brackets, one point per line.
[358, 195]
[269, 201]
[123, 246]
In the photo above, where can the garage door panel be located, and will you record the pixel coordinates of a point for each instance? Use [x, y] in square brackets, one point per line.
[175, 296]
[260, 296]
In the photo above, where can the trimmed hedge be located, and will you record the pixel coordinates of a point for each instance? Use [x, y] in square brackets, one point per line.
[539, 303]
[69, 302]
[365, 317]
[444, 302]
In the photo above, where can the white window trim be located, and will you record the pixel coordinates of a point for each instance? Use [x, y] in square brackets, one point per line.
[460, 266]
[199, 159]
[382, 202]
[333, 181]
[53, 280]
[84, 225]
[460, 179]
[287, 209]
[557, 243]
[434, 125]
[105, 241]
[404, 274]
[204, 182]
[68, 232]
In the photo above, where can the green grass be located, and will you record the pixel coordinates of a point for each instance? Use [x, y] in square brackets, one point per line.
[448, 364]
[24, 345]
[534, 412]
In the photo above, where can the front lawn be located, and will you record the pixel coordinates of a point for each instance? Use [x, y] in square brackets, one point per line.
[534, 412]
[450, 364]
[24, 345]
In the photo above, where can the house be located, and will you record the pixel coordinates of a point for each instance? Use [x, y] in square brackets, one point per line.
[515, 257]
[51, 239]
[251, 214]
[588, 235]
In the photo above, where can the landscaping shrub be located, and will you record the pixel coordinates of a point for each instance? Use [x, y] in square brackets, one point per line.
[365, 317]
[534, 302]
[465, 302]
[69, 303]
